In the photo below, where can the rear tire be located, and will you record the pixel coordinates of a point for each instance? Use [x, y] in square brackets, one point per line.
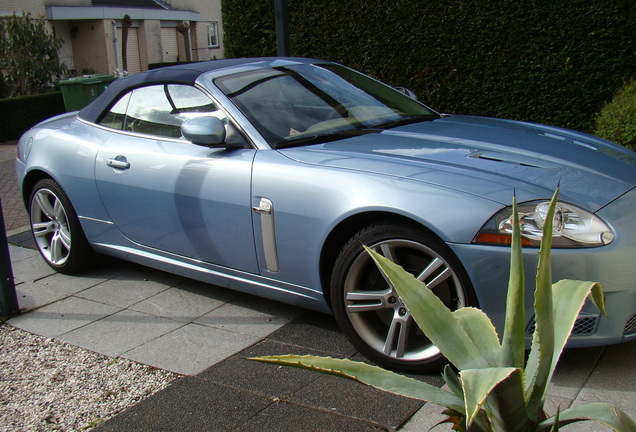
[369, 311]
[56, 229]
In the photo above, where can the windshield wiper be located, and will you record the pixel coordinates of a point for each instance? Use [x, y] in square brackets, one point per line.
[326, 137]
[405, 121]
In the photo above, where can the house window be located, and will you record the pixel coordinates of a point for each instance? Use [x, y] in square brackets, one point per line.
[213, 35]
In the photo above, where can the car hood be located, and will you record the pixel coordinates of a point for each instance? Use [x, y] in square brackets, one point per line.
[489, 158]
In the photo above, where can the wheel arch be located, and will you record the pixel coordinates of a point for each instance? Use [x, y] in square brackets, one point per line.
[29, 181]
[344, 230]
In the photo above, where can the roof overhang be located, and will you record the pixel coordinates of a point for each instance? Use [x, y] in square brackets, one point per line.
[58, 13]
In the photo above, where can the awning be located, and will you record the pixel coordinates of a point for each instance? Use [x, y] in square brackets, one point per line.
[58, 13]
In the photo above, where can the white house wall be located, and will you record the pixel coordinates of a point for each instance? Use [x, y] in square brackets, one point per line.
[87, 31]
[210, 11]
[150, 48]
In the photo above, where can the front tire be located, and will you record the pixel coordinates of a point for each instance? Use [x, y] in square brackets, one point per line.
[370, 312]
[56, 229]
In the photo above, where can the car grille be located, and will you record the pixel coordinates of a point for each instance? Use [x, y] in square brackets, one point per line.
[630, 327]
[583, 326]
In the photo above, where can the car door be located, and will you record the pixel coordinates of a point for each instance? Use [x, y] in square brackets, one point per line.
[166, 193]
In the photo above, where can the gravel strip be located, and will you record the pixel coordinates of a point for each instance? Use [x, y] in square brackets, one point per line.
[47, 385]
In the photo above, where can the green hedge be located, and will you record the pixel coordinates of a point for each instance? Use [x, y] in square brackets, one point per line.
[550, 61]
[20, 113]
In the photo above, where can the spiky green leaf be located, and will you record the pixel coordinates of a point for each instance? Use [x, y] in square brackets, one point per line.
[432, 316]
[480, 422]
[506, 406]
[514, 340]
[569, 297]
[478, 384]
[481, 331]
[555, 426]
[372, 376]
[540, 361]
[598, 298]
[606, 414]
[453, 382]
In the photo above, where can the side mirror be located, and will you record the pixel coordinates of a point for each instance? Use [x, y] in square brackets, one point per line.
[205, 131]
[408, 92]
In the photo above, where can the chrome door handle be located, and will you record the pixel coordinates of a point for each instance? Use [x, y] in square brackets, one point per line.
[119, 162]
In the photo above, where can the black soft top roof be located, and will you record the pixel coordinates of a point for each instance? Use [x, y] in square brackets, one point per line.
[180, 74]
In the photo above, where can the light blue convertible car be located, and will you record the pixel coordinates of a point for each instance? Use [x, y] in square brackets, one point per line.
[268, 175]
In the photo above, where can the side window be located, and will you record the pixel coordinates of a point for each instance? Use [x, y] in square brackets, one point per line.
[150, 112]
[116, 117]
[189, 100]
[160, 110]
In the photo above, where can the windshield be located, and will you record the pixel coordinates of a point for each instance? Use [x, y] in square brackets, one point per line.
[298, 104]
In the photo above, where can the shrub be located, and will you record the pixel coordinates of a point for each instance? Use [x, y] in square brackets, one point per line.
[28, 55]
[617, 120]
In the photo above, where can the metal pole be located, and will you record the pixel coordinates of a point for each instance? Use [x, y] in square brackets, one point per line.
[8, 297]
[282, 28]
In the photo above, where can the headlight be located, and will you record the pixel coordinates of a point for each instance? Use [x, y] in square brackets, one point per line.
[573, 226]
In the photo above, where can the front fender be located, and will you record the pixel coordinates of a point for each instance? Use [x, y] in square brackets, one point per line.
[310, 201]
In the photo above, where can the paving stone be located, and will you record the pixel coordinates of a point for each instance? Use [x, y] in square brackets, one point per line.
[190, 349]
[31, 269]
[289, 417]
[120, 333]
[186, 302]
[556, 403]
[355, 400]
[32, 295]
[265, 379]
[250, 315]
[124, 290]
[575, 366]
[23, 239]
[612, 380]
[71, 284]
[190, 404]
[425, 419]
[316, 331]
[20, 253]
[62, 317]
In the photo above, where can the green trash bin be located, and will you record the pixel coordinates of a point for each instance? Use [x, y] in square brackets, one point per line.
[79, 92]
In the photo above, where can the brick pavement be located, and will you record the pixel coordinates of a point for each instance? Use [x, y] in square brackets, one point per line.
[15, 215]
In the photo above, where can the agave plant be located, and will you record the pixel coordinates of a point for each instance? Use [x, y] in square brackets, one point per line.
[496, 388]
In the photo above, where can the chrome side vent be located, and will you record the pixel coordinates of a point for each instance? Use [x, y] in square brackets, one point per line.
[266, 210]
